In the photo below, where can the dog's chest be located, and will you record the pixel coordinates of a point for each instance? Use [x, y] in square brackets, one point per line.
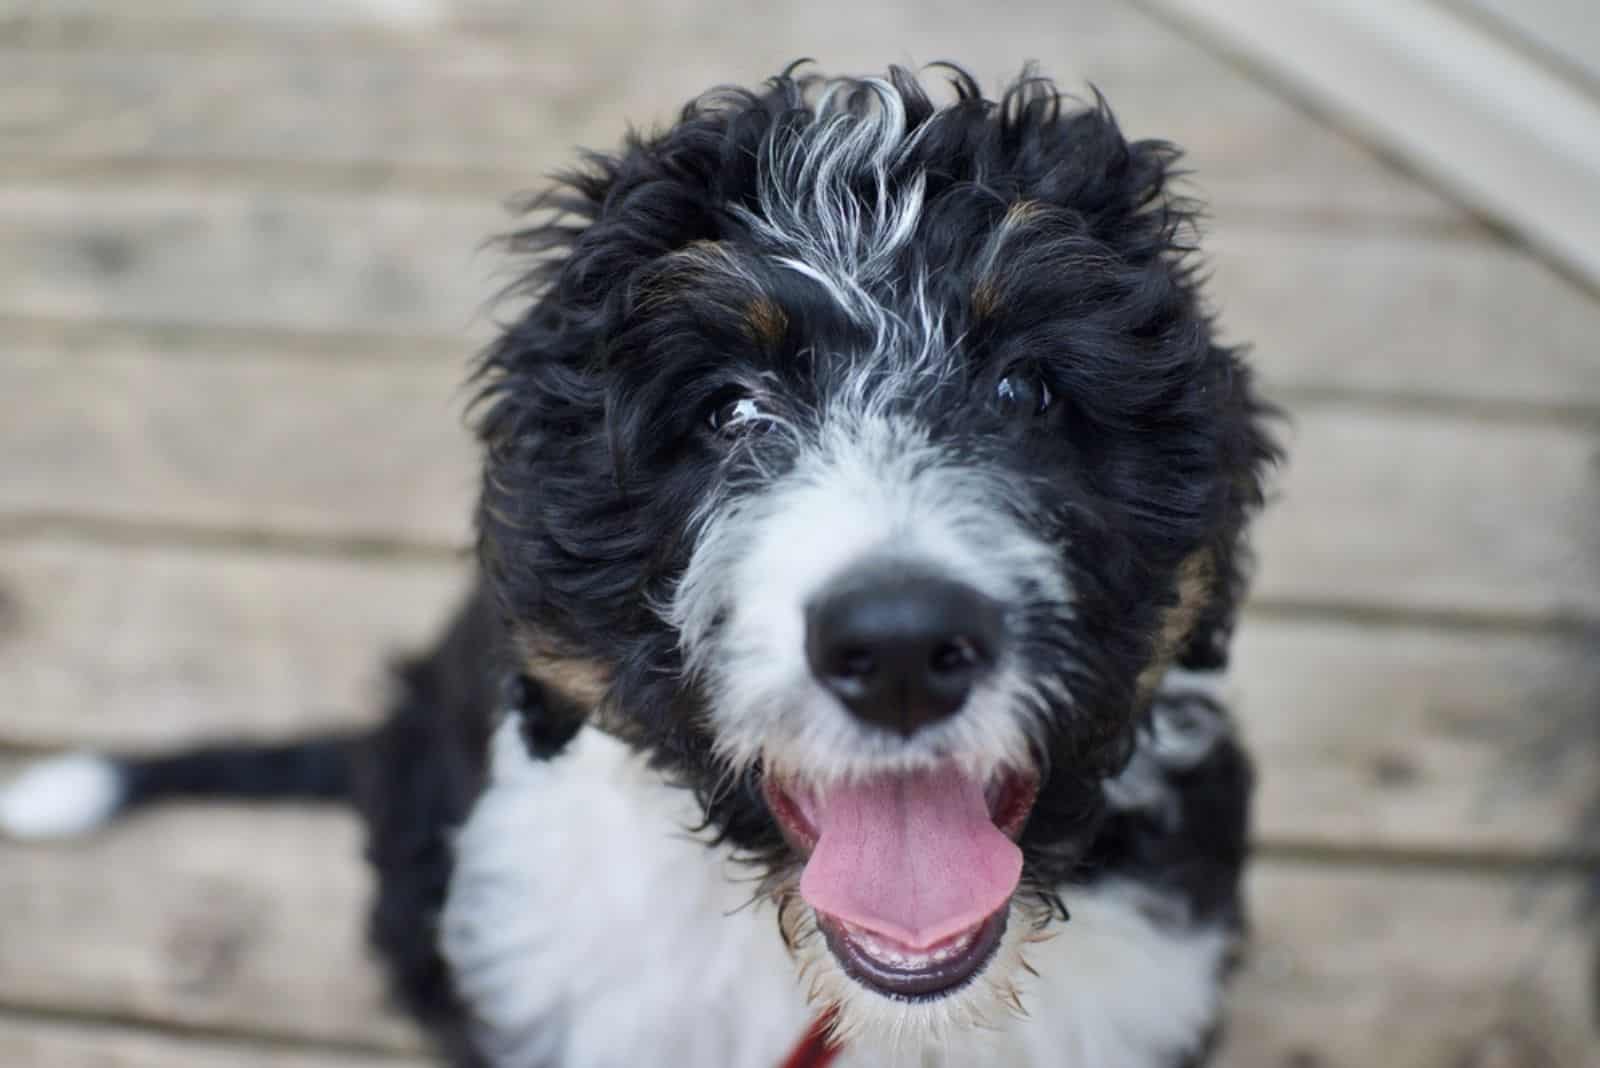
[587, 928]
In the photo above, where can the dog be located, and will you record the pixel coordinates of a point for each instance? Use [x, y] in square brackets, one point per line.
[861, 530]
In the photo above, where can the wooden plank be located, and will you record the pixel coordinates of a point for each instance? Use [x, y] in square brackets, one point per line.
[39, 16]
[38, 1044]
[460, 117]
[151, 646]
[209, 916]
[227, 917]
[1413, 738]
[1354, 967]
[375, 105]
[1389, 737]
[1466, 320]
[1515, 140]
[238, 438]
[385, 264]
[1435, 513]
[1565, 30]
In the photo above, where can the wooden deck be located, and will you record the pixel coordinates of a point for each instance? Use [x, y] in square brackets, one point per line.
[240, 273]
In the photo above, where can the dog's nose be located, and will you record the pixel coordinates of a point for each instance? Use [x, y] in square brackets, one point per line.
[901, 648]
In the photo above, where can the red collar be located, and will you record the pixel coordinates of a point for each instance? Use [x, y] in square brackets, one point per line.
[817, 1049]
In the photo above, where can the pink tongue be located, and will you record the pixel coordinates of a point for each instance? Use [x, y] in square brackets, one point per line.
[914, 858]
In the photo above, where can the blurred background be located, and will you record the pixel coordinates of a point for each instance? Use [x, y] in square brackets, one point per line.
[241, 273]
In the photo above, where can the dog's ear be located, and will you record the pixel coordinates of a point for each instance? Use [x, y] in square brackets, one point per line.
[1248, 453]
[1217, 590]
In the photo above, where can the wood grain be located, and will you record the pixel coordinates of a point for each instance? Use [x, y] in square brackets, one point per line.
[1410, 738]
[1433, 513]
[143, 647]
[233, 256]
[38, 1044]
[1455, 100]
[215, 917]
[1564, 30]
[1356, 967]
[493, 116]
[236, 436]
[1398, 317]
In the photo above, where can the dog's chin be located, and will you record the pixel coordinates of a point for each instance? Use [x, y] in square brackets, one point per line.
[870, 1013]
[876, 978]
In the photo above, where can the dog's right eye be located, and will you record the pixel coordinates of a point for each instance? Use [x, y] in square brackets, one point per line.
[1024, 394]
[733, 412]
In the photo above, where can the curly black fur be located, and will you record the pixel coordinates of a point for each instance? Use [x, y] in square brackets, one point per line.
[594, 401]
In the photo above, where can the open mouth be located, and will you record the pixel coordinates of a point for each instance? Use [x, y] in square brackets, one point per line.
[910, 874]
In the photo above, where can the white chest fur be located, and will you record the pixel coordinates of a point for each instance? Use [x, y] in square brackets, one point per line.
[588, 928]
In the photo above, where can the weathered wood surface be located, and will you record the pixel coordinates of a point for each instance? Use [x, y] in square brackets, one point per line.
[495, 116]
[130, 431]
[1407, 317]
[1412, 512]
[1564, 30]
[1415, 739]
[1509, 133]
[228, 919]
[29, 1043]
[210, 255]
[240, 275]
[147, 645]
[1360, 967]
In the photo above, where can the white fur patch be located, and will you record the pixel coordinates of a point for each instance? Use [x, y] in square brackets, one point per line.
[1115, 989]
[588, 928]
[871, 487]
[60, 797]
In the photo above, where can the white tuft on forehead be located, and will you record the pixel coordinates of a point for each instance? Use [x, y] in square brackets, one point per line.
[836, 205]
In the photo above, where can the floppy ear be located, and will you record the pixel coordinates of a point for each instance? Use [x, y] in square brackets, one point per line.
[1217, 594]
[1218, 588]
[1184, 621]
[1250, 453]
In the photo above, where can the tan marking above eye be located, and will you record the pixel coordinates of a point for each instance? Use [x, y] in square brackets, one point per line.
[766, 320]
[985, 298]
[986, 295]
[680, 268]
[1020, 214]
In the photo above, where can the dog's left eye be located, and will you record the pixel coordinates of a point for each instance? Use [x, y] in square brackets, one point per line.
[734, 413]
[1023, 393]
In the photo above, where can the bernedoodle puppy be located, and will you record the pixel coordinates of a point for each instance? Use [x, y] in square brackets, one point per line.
[864, 489]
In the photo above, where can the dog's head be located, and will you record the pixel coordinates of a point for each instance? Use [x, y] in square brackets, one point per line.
[867, 462]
